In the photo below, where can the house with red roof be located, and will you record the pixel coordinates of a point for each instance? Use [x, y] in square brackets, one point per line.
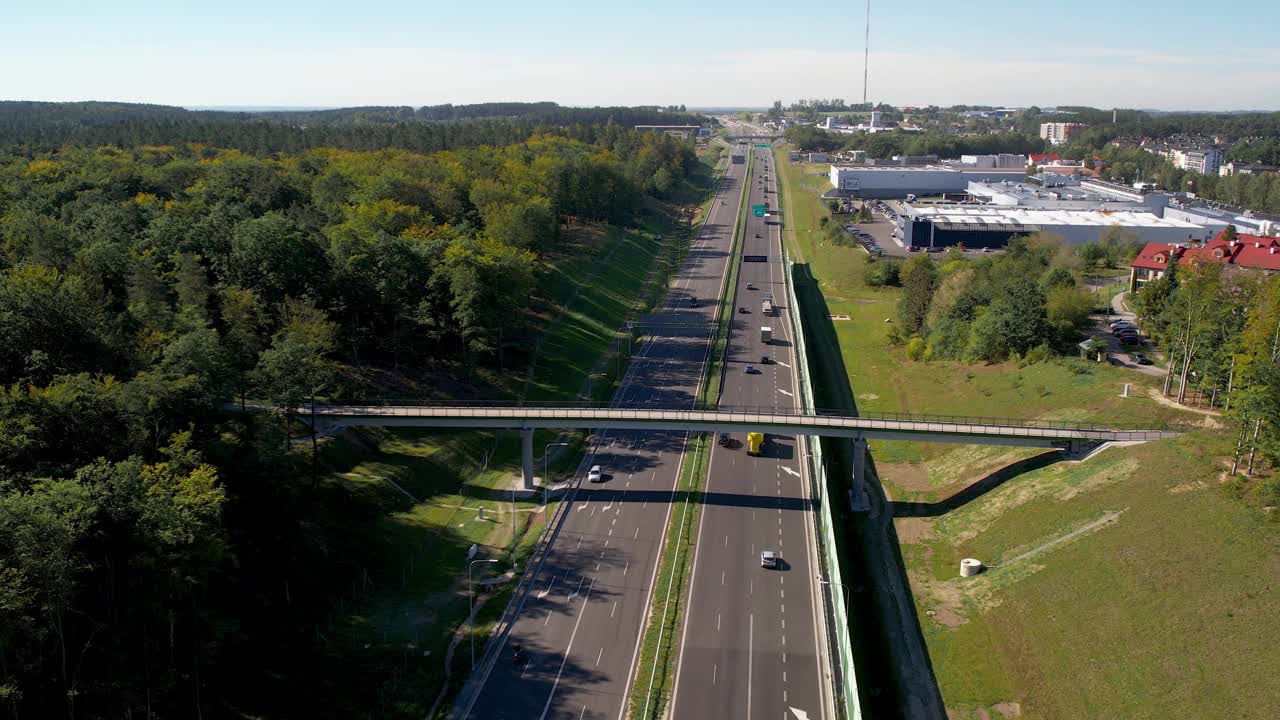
[1042, 158]
[1246, 253]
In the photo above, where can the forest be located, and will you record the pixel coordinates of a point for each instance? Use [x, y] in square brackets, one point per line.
[44, 126]
[162, 557]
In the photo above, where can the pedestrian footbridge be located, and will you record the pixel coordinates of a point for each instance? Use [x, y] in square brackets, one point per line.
[1072, 436]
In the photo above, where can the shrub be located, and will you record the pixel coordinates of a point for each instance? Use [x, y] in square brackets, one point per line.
[916, 348]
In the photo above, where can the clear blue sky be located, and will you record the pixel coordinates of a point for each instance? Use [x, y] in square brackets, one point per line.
[1171, 54]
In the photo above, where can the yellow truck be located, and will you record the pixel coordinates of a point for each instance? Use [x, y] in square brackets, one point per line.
[755, 443]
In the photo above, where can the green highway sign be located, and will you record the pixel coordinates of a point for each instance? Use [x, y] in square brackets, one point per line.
[757, 210]
[762, 145]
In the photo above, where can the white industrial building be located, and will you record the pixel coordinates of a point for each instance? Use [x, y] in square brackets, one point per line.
[898, 182]
[1003, 160]
[993, 227]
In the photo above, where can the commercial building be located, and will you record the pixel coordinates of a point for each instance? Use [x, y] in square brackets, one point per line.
[1059, 132]
[1003, 160]
[993, 227]
[1250, 253]
[899, 182]
[1217, 216]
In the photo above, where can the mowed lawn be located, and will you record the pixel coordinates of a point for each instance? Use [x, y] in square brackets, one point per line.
[1165, 610]
[1168, 610]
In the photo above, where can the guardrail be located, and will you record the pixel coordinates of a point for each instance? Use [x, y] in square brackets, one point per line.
[834, 601]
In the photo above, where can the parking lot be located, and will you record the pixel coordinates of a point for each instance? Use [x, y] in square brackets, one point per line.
[1118, 352]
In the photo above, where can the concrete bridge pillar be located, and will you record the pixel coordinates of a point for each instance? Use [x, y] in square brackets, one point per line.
[526, 457]
[859, 489]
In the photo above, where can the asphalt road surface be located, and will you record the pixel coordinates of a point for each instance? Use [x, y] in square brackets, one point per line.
[754, 640]
[581, 622]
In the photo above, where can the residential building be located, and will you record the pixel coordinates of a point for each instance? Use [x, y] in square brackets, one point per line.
[1235, 168]
[1250, 253]
[1205, 161]
[1041, 158]
[1059, 132]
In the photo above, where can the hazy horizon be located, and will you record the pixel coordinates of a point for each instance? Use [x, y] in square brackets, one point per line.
[714, 54]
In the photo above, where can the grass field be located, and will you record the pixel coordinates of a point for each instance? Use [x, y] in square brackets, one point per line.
[1164, 610]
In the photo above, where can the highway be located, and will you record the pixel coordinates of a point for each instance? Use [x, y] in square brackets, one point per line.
[581, 621]
[754, 639]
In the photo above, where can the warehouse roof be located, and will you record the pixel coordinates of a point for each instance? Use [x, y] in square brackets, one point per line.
[987, 215]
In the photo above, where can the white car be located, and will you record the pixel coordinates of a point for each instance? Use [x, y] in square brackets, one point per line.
[595, 474]
[768, 559]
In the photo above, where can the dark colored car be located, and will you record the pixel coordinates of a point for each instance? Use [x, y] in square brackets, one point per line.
[742, 309]
[1139, 358]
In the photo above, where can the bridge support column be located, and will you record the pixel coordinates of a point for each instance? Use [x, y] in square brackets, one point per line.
[858, 493]
[526, 457]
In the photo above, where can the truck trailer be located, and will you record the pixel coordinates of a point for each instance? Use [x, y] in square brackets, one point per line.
[766, 335]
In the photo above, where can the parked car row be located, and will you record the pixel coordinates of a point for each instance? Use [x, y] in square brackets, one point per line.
[1126, 332]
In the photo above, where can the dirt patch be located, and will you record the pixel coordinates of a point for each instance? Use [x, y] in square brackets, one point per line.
[1008, 709]
[913, 531]
[1187, 487]
[944, 602]
[868, 396]
[908, 476]
[1210, 416]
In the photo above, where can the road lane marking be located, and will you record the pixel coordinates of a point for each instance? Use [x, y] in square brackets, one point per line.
[789, 471]
[636, 536]
[751, 638]
[601, 654]
[717, 622]
[583, 611]
[615, 608]
[783, 364]
[626, 567]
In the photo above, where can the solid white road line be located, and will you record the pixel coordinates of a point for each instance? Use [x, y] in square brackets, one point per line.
[751, 635]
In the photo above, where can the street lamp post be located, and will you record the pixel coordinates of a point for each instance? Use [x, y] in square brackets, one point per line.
[828, 582]
[544, 461]
[471, 609]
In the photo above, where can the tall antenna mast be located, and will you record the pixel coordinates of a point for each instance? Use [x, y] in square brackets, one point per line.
[866, 54]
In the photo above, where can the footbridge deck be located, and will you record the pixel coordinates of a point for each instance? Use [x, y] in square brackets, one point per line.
[920, 428]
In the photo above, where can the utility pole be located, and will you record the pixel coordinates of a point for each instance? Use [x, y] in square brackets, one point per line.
[866, 54]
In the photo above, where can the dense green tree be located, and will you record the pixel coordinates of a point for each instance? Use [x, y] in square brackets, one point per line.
[918, 276]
